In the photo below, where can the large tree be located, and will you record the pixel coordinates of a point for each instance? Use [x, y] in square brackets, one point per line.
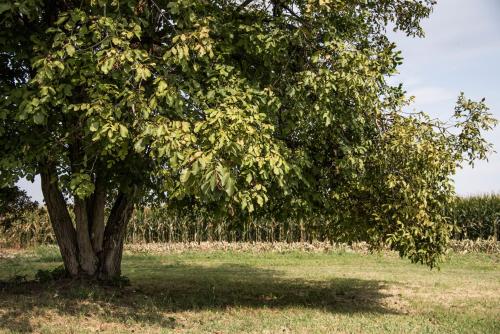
[245, 105]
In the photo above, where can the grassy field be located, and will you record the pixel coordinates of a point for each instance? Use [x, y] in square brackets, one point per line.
[246, 292]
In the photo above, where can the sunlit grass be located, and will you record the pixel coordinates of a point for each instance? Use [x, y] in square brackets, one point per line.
[231, 292]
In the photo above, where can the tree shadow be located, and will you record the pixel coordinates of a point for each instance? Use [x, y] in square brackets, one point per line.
[158, 291]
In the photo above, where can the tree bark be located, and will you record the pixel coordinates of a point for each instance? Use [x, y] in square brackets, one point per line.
[111, 255]
[96, 215]
[92, 249]
[61, 220]
[86, 256]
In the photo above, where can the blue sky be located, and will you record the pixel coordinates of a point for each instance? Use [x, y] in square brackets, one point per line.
[461, 52]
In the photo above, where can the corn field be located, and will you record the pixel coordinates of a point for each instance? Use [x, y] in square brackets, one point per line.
[33, 229]
[160, 225]
[475, 218]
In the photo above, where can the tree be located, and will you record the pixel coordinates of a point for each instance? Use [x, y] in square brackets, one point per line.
[241, 105]
[14, 202]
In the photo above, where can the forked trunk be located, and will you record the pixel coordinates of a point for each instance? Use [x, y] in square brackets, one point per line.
[87, 258]
[92, 250]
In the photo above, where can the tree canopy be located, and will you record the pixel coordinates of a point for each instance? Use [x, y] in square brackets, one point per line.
[279, 106]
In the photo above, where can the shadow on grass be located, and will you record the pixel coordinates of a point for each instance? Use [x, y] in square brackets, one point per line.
[158, 291]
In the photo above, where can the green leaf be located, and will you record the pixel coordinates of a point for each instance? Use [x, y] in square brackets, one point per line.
[213, 181]
[70, 50]
[94, 126]
[139, 146]
[230, 186]
[5, 7]
[123, 131]
[39, 118]
[185, 176]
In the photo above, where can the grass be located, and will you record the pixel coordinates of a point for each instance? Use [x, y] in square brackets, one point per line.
[246, 292]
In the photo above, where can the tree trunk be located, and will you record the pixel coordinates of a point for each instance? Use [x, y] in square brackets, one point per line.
[87, 258]
[61, 220]
[96, 214]
[114, 234]
[92, 250]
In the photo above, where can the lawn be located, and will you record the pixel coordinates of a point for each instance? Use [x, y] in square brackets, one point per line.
[249, 292]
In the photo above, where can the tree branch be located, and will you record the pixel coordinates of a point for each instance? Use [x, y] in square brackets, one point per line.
[243, 5]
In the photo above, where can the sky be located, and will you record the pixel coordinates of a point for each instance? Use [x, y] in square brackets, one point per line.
[460, 52]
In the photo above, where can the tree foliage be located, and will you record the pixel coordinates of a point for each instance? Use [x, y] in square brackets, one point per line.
[278, 106]
[14, 203]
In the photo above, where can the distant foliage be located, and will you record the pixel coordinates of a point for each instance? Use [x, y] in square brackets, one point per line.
[477, 217]
[33, 228]
[14, 204]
